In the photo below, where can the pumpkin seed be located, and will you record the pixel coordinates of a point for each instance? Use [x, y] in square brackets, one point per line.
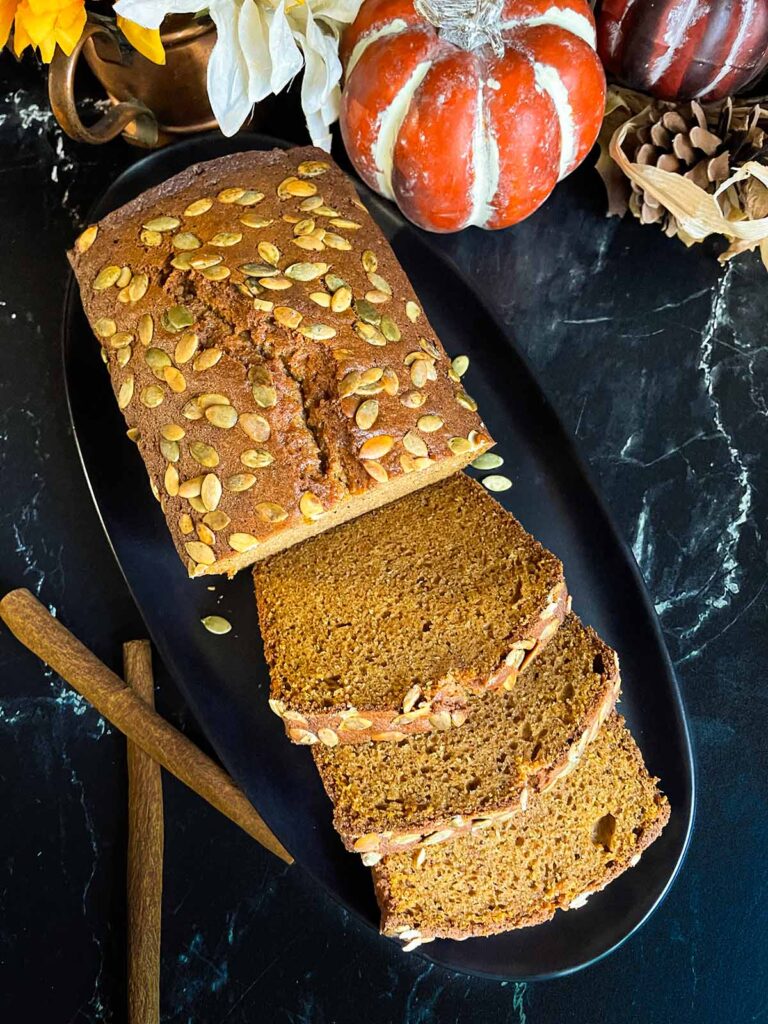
[334, 241]
[137, 289]
[333, 282]
[177, 319]
[185, 241]
[186, 347]
[185, 523]
[252, 220]
[152, 396]
[377, 471]
[306, 271]
[151, 239]
[216, 624]
[318, 332]
[294, 187]
[429, 424]
[169, 450]
[322, 299]
[304, 227]
[466, 401]
[225, 239]
[210, 491]
[275, 284]
[370, 261]
[367, 414]
[310, 506]
[157, 360]
[309, 243]
[259, 270]
[255, 426]
[488, 460]
[105, 278]
[367, 312]
[269, 253]
[207, 358]
[217, 520]
[413, 399]
[191, 488]
[199, 207]
[415, 445]
[199, 552]
[287, 317]
[204, 454]
[377, 298]
[146, 328]
[125, 394]
[459, 445]
[124, 356]
[250, 197]
[162, 224]
[264, 396]
[341, 299]
[412, 311]
[84, 241]
[256, 458]
[171, 480]
[230, 195]
[370, 334]
[376, 447]
[240, 482]
[182, 261]
[497, 483]
[263, 305]
[419, 373]
[224, 416]
[105, 327]
[310, 204]
[271, 512]
[389, 329]
[242, 541]
[460, 365]
[209, 398]
[313, 168]
[344, 224]
[172, 432]
[216, 273]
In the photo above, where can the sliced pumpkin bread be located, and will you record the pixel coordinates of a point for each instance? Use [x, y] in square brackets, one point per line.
[428, 789]
[384, 626]
[572, 841]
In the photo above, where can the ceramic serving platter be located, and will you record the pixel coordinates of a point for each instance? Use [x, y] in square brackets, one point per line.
[225, 679]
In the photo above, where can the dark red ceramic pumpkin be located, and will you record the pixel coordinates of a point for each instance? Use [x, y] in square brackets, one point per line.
[684, 49]
[460, 136]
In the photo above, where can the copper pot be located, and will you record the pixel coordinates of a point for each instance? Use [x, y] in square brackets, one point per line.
[151, 104]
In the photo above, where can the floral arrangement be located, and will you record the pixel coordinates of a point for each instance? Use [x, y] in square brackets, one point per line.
[261, 46]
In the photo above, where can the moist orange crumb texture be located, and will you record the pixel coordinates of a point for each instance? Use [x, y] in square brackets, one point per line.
[272, 362]
[393, 793]
[434, 588]
[571, 842]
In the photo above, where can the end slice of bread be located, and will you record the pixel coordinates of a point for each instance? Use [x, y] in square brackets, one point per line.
[571, 842]
[429, 789]
[383, 627]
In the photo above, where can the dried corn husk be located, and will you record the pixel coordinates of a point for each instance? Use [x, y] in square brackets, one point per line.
[736, 208]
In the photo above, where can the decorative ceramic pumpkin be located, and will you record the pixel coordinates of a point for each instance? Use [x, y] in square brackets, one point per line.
[470, 113]
[682, 49]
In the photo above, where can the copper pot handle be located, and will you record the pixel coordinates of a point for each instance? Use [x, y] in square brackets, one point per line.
[61, 92]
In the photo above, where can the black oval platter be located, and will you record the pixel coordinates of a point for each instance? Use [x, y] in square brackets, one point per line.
[225, 680]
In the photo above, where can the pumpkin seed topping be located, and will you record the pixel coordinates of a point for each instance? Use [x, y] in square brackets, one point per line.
[310, 506]
[376, 447]
[488, 460]
[199, 552]
[225, 239]
[216, 624]
[255, 426]
[105, 327]
[125, 394]
[185, 241]
[106, 277]
[223, 416]
[367, 414]
[152, 396]
[460, 365]
[429, 424]
[497, 483]
[271, 512]
[242, 541]
[204, 454]
[84, 241]
[198, 207]
[256, 458]
[162, 224]
[240, 482]
[412, 311]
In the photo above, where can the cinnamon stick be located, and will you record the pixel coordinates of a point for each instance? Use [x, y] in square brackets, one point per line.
[145, 853]
[34, 626]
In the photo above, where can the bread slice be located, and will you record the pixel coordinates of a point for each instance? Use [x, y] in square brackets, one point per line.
[429, 789]
[571, 842]
[270, 357]
[382, 627]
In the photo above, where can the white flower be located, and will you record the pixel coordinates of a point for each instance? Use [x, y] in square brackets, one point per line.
[260, 47]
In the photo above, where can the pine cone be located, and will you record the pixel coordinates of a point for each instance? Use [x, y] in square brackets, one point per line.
[681, 141]
[705, 144]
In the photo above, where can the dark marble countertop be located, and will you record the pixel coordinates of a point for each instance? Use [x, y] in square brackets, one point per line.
[661, 374]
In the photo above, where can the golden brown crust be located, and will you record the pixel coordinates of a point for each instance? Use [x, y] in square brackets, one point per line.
[269, 355]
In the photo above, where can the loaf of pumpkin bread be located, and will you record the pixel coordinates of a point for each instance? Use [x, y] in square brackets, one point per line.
[571, 842]
[272, 361]
[383, 627]
[432, 789]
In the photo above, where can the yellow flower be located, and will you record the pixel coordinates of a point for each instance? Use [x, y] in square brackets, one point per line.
[42, 24]
[7, 14]
[145, 40]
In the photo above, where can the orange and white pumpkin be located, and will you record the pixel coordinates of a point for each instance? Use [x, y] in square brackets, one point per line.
[470, 121]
